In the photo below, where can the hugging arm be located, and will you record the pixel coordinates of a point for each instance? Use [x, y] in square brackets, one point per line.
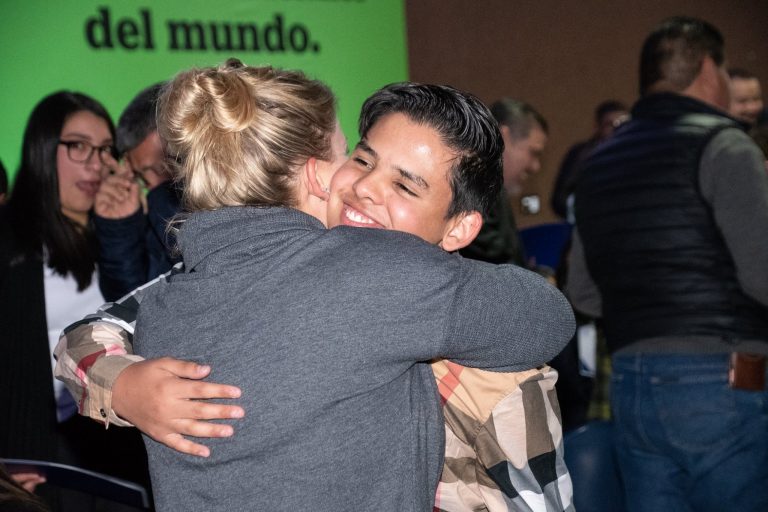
[160, 397]
[517, 319]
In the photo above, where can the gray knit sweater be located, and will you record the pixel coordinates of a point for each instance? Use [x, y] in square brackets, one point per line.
[326, 332]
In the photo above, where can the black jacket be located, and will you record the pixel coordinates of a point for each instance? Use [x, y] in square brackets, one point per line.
[650, 240]
[138, 248]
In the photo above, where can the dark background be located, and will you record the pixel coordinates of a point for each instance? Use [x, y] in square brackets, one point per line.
[562, 56]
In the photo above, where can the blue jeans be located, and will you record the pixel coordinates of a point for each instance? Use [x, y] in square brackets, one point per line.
[686, 442]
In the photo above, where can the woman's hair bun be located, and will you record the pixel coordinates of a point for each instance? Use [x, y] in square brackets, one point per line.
[241, 132]
[226, 98]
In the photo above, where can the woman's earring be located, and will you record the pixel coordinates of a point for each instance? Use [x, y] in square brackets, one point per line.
[325, 189]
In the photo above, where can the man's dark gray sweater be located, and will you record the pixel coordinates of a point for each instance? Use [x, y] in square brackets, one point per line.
[327, 332]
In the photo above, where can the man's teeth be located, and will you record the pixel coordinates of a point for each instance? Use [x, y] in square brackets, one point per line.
[357, 217]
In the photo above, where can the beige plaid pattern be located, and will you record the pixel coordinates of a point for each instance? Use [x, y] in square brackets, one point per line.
[504, 444]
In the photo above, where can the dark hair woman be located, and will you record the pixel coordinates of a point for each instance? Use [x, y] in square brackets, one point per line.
[48, 277]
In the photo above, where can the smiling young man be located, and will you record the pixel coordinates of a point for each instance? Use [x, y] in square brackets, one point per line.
[415, 170]
[405, 175]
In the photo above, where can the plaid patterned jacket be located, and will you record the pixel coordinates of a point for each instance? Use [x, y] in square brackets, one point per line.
[503, 432]
[503, 441]
[80, 354]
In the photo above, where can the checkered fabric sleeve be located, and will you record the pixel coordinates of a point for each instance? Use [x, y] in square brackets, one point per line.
[91, 353]
[504, 443]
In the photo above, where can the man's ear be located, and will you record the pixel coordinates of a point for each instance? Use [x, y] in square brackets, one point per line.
[709, 86]
[316, 183]
[461, 231]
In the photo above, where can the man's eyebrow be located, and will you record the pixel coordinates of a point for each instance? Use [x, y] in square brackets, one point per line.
[415, 178]
[368, 149]
[405, 173]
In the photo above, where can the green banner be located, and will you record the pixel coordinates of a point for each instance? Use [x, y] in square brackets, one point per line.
[112, 49]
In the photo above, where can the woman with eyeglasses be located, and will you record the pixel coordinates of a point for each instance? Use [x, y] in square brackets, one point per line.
[48, 278]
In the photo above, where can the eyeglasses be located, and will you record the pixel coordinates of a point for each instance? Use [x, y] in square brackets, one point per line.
[81, 151]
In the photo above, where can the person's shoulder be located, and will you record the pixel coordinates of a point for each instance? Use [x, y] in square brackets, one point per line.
[386, 248]
[732, 135]
[731, 163]
[732, 141]
[578, 148]
[374, 237]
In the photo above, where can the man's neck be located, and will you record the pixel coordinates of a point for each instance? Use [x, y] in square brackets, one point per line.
[690, 92]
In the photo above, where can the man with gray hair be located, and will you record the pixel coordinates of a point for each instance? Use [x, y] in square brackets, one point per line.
[525, 134]
[135, 246]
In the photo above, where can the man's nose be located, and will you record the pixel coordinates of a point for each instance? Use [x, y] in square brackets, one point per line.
[369, 186]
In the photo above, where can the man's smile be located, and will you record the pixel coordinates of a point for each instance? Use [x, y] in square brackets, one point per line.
[353, 217]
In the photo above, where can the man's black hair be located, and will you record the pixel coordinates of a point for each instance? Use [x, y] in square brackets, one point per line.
[674, 52]
[464, 124]
[741, 73]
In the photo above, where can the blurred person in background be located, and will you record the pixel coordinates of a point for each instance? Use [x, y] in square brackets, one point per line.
[48, 278]
[669, 251]
[525, 134]
[135, 244]
[746, 97]
[608, 115]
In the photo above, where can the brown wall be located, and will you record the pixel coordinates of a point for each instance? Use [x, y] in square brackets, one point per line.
[563, 56]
